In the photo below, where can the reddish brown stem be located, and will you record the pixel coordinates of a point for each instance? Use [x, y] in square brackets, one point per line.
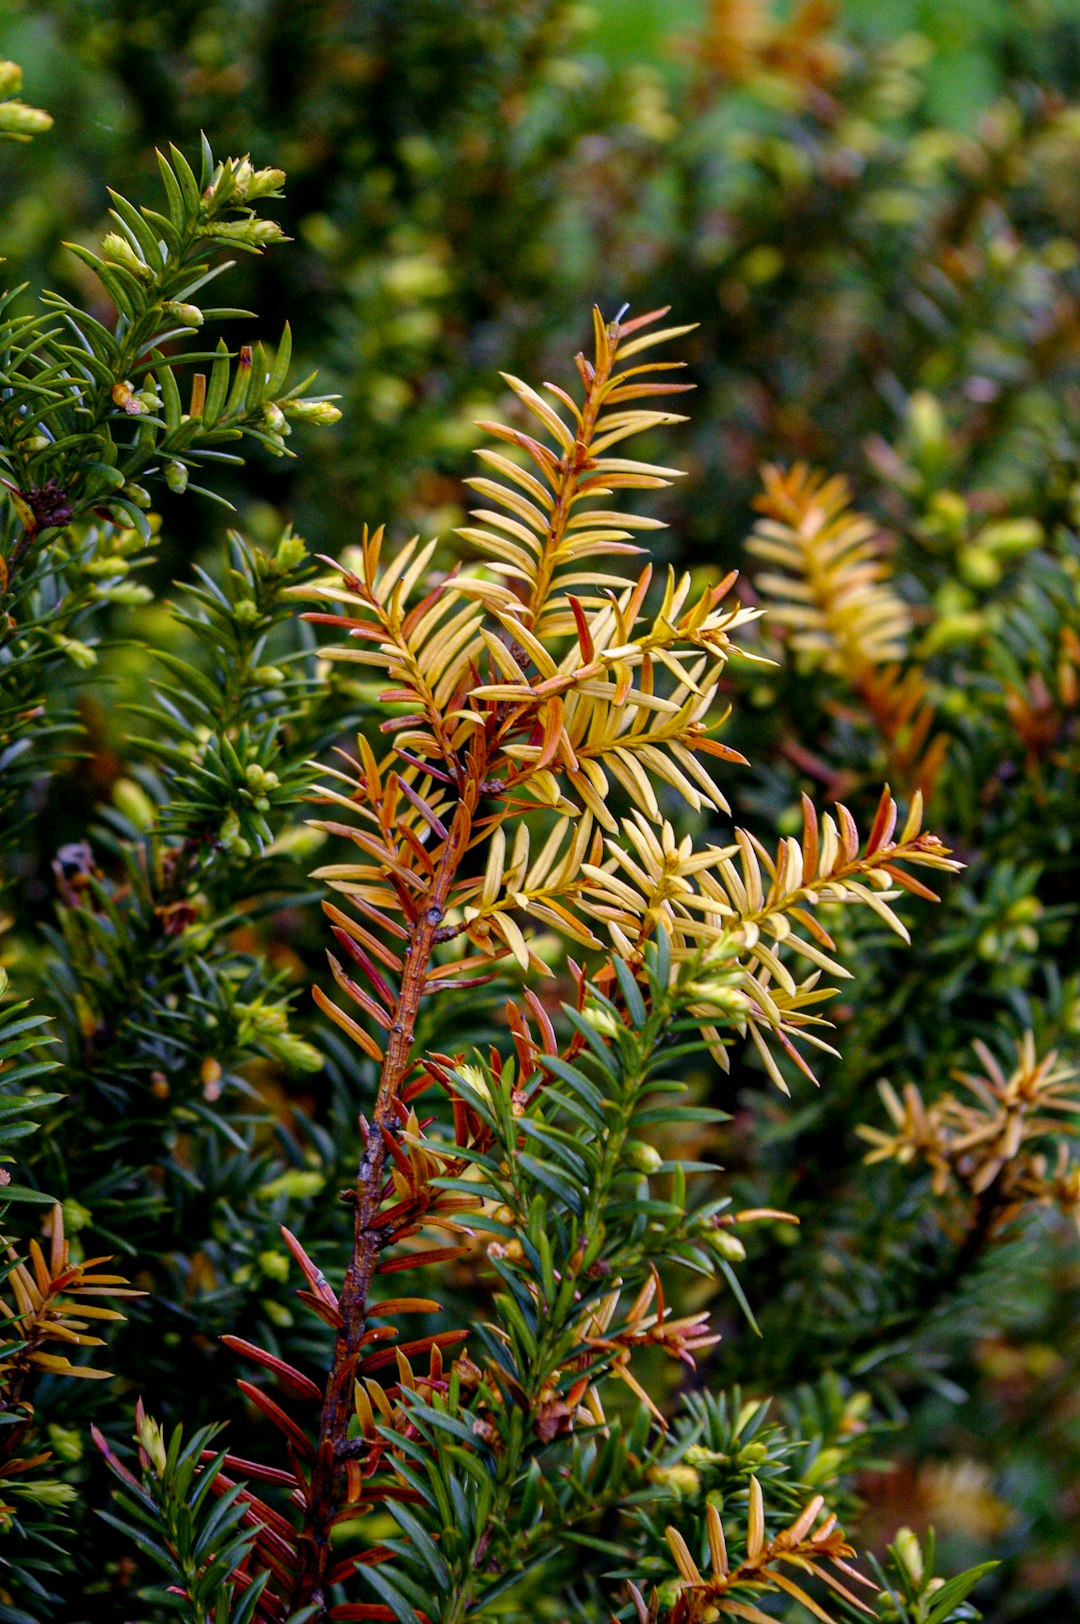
[368, 1238]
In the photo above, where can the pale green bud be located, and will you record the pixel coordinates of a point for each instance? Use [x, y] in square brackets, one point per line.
[275, 419]
[106, 567]
[252, 233]
[76, 1216]
[66, 1442]
[296, 1184]
[80, 654]
[246, 611]
[476, 1080]
[260, 778]
[21, 121]
[118, 251]
[137, 494]
[1009, 538]
[274, 1265]
[698, 1455]
[321, 412]
[10, 78]
[296, 1053]
[189, 314]
[909, 1554]
[229, 831]
[726, 1245]
[176, 477]
[152, 1440]
[825, 1466]
[645, 1158]
[252, 183]
[128, 592]
[276, 1313]
[926, 421]
[978, 566]
[55, 1496]
[291, 552]
[602, 1020]
[132, 800]
[680, 1480]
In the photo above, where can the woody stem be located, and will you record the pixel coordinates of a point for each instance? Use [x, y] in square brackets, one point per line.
[368, 1239]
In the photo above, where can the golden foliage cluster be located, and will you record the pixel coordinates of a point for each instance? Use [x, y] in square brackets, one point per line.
[818, 1552]
[989, 1141]
[527, 688]
[829, 587]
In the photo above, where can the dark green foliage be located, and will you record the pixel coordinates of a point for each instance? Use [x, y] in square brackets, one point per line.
[877, 293]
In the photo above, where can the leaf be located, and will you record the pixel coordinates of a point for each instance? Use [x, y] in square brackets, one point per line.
[956, 1590]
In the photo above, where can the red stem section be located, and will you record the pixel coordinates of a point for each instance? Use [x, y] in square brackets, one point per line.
[368, 1239]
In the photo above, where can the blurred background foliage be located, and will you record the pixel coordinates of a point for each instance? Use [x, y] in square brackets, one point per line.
[873, 215]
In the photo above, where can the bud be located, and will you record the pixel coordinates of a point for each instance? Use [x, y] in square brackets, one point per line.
[21, 121]
[229, 833]
[76, 1216]
[10, 78]
[909, 1554]
[276, 1313]
[825, 1466]
[176, 477]
[189, 314]
[274, 1265]
[252, 233]
[926, 424]
[313, 411]
[258, 778]
[54, 1496]
[275, 419]
[246, 611]
[474, 1077]
[699, 1455]
[106, 566]
[295, 1052]
[978, 566]
[252, 183]
[80, 654]
[291, 552]
[602, 1020]
[726, 1245]
[645, 1158]
[132, 800]
[680, 1480]
[137, 494]
[152, 1441]
[127, 592]
[67, 1443]
[118, 251]
[296, 1185]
